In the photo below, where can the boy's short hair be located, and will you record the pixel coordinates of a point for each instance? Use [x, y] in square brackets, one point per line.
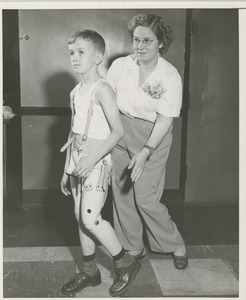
[89, 35]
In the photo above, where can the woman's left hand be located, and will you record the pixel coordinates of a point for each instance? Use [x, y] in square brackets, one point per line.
[137, 164]
[84, 166]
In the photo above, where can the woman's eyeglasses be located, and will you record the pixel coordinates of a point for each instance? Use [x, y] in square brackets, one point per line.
[145, 41]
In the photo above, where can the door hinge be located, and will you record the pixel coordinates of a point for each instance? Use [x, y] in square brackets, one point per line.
[186, 172]
[189, 101]
[191, 26]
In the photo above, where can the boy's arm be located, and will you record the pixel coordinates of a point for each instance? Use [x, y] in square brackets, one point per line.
[65, 177]
[106, 98]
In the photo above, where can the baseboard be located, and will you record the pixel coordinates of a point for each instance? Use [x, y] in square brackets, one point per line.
[55, 197]
[44, 196]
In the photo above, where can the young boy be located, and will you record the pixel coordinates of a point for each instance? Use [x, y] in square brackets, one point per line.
[95, 130]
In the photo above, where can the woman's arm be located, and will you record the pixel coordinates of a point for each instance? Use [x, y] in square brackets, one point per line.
[161, 128]
[106, 98]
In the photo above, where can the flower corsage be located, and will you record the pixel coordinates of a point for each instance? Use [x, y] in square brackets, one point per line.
[155, 90]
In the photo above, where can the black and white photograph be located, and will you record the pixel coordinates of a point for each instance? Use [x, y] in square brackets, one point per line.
[121, 150]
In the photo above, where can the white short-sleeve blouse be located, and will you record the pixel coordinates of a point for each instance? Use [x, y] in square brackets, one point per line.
[160, 93]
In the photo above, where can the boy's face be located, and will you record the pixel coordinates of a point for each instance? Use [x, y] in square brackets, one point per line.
[83, 55]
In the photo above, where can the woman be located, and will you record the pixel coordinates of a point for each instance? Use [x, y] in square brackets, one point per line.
[149, 97]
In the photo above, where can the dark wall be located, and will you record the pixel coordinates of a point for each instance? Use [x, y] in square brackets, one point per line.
[213, 122]
[11, 84]
[12, 158]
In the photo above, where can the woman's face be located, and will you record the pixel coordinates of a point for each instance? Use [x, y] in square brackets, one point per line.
[145, 44]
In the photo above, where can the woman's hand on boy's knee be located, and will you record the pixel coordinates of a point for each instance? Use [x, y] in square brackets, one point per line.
[65, 185]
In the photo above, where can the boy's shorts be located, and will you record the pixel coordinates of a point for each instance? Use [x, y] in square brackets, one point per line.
[80, 149]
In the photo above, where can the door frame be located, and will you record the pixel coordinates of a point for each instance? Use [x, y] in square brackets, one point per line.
[172, 196]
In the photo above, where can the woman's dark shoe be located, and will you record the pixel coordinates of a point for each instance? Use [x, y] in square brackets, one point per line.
[124, 278]
[180, 262]
[79, 281]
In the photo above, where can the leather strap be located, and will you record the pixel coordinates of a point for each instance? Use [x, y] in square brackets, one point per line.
[90, 111]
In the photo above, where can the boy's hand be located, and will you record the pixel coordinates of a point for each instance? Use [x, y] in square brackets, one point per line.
[84, 166]
[65, 184]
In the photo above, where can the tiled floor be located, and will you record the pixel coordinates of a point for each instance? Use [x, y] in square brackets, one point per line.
[41, 251]
[41, 271]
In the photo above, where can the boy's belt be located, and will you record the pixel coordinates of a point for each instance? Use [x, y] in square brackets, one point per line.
[70, 140]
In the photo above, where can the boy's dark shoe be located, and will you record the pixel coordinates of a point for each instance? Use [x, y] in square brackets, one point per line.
[124, 278]
[79, 281]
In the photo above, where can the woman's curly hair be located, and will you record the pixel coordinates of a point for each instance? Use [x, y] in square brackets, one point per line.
[163, 32]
